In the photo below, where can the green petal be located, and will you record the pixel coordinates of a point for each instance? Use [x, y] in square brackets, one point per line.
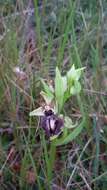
[37, 112]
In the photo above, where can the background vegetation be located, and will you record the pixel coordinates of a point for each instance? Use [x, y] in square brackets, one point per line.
[35, 37]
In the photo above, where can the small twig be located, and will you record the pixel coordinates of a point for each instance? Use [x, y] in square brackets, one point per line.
[79, 115]
[75, 168]
[85, 181]
[10, 153]
[95, 92]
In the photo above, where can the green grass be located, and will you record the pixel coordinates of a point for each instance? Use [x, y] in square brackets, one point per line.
[66, 32]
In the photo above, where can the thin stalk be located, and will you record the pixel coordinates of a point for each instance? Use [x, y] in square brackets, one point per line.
[52, 159]
[46, 160]
[49, 159]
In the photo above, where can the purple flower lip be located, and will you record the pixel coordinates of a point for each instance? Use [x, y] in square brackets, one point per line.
[51, 123]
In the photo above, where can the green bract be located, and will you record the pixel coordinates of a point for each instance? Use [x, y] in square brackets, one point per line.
[48, 93]
[66, 86]
[59, 89]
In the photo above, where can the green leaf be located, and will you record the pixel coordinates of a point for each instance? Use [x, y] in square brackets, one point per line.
[66, 96]
[76, 88]
[71, 75]
[70, 137]
[47, 88]
[37, 112]
[74, 74]
[64, 79]
[74, 133]
[59, 89]
[47, 97]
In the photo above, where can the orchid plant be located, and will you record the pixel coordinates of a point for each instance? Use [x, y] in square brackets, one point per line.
[55, 124]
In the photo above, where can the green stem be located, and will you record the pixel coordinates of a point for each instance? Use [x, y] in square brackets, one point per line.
[49, 159]
[52, 159]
